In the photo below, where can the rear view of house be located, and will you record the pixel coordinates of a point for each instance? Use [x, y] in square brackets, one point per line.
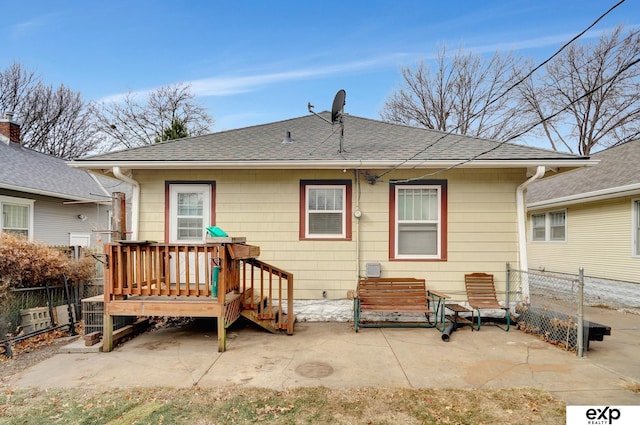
[333, 202]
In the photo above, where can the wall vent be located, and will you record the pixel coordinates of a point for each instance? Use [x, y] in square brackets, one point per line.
[373, 269]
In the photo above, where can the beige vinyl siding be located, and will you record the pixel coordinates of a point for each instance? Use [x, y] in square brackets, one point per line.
[263, 206]
[599, 238]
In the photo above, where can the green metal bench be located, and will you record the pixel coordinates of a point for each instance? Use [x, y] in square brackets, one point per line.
[397, 295]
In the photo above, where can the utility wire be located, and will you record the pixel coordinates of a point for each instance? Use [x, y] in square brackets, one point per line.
[588, 93]
[333, 131]
[450, 132]
[564, 46]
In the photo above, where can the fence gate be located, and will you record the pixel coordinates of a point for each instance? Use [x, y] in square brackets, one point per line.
[551, 305]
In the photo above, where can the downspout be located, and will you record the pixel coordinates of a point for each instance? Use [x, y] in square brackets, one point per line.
[522, 232]
[135, 200]
[357, 214]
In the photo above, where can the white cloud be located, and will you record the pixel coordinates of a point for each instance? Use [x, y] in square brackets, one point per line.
[34, 25]
[26, 27]
[230, 85]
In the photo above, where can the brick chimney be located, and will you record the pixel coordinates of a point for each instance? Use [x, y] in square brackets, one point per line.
[10, 129]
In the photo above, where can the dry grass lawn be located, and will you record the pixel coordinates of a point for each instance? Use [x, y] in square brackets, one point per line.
[240, 405]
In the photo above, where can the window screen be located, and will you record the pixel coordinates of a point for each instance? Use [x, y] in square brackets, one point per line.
[418, 211]
[15, 219]
[325, 211]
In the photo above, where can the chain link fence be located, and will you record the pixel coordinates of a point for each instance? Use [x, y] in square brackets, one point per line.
[550, 305]
[95, 285]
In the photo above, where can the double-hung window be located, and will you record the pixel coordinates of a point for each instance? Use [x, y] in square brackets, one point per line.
[418, 223]
[17, 216]
[190, 207]
[325, 210]
[538, 227]
[550, 226]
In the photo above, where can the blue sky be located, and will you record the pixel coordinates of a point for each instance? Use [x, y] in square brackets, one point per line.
[252, 62]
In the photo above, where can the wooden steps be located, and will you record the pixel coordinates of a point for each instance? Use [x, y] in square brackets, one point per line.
[262, 314]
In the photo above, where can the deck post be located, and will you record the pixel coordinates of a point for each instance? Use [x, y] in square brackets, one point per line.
[290, 315]
[222, 332]
[225, 280]
[108, 275]
[107, 332]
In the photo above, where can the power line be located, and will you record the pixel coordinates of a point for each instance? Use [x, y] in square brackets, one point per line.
[588, 93]
[450, 132]
[564, 46]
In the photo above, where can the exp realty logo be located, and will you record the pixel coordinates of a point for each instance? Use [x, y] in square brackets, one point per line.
[602, 415]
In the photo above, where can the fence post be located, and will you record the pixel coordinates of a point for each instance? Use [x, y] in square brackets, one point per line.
[581, 312]
[49, 303]
[72, 327]
[508, 284]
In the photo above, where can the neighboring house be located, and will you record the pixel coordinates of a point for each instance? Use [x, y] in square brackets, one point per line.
[47, 201]
[418, 202]
[589, 218]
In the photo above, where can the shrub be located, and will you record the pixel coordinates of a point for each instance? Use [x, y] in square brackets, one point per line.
[25, 264]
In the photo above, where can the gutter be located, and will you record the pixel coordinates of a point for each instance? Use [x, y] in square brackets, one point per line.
[522, 232]
[58, 195]
[596, 195]
[330, 164]
[135, 200]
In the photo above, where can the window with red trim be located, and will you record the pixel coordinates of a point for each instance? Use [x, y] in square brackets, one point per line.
[418, 220]
[325, 209]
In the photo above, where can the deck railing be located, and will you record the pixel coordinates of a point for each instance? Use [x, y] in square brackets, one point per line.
[159, 269]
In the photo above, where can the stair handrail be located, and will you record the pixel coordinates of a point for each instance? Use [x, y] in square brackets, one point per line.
[267, 290]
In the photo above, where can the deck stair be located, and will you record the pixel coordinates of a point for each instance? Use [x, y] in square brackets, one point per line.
[260, 311]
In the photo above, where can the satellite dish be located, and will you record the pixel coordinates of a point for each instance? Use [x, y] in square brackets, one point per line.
[337, 112]
[338, 106]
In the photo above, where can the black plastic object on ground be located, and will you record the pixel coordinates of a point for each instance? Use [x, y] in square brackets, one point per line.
[448, 331]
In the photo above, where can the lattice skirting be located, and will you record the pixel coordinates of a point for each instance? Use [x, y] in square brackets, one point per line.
[232, 312]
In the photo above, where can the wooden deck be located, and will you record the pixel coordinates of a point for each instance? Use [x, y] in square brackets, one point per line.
[219, 279]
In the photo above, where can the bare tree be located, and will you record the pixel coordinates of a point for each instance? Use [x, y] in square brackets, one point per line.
[52, 121]
[465, 95]
[58, 123]
[130, 123]
[590, 95]
[15, 83]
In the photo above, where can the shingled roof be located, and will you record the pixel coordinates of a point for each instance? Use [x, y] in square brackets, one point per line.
[26, 170]
[617, 174]
[316, 143]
